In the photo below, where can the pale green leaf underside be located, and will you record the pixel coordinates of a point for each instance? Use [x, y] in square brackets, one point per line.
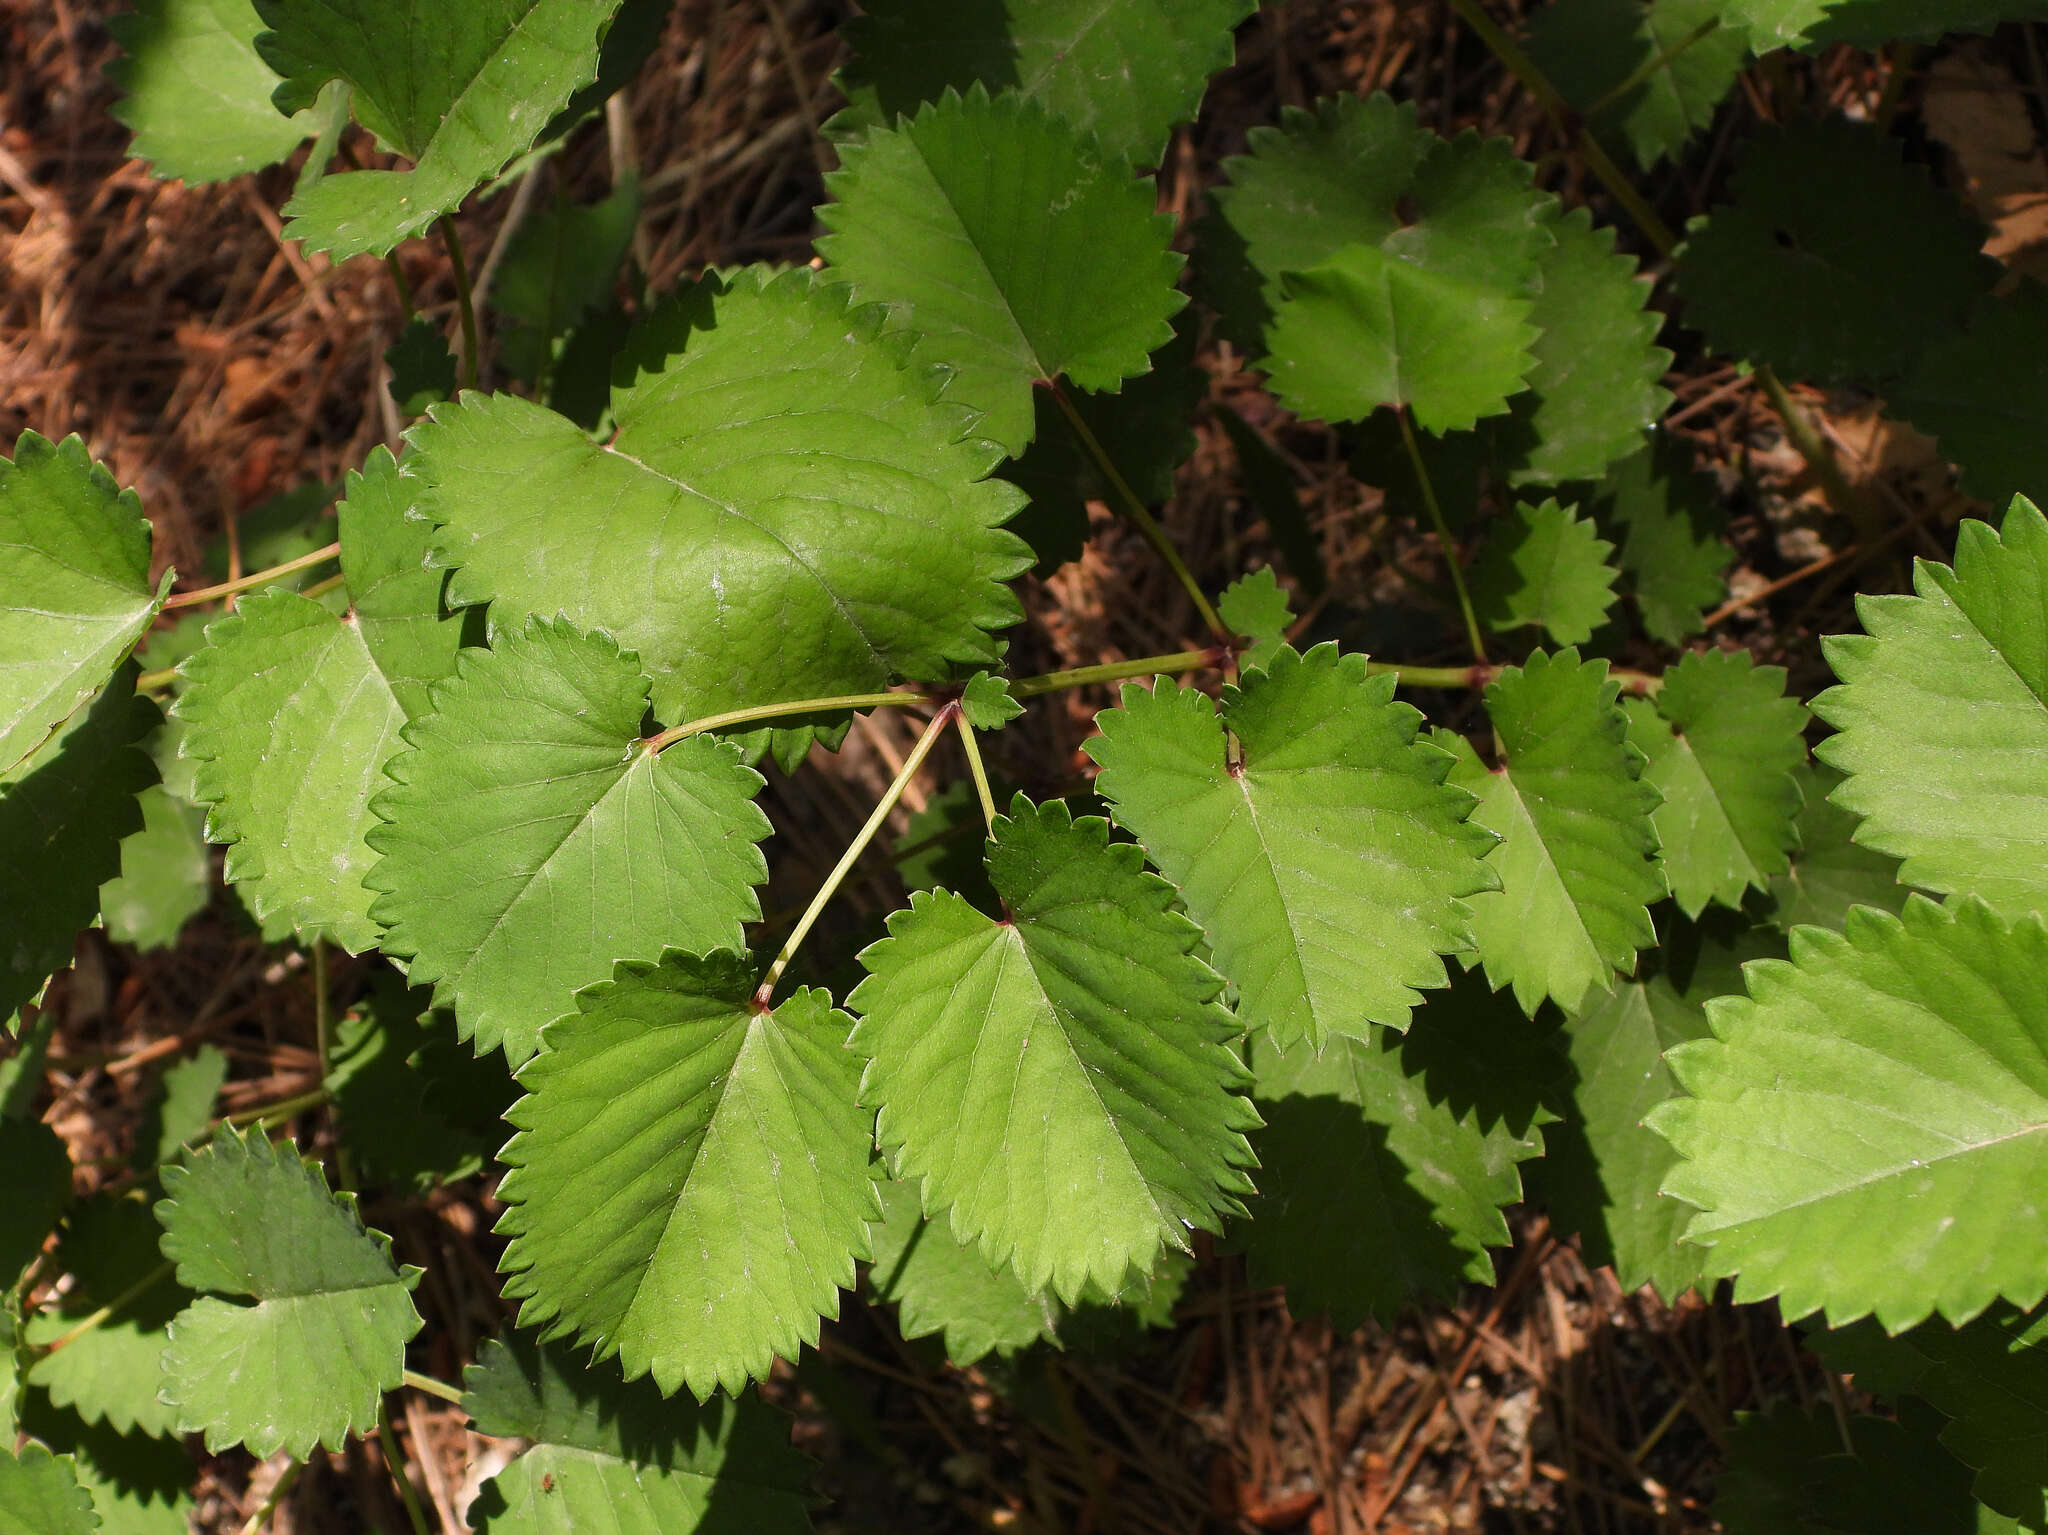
[196, 93]
[164, 873]
[689, 1182]
[1060, 1080]
[1328, 871]
[40, 1495]
[1870, 1125]
[325, 1336]
[783, 513]
[530, 840]
[460, 97]
[940, 1284]
[1545, 567]
[75, 593]
[1942, 716]
[1013, 246]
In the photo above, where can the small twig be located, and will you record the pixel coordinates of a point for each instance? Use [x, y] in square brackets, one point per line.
[243, 583]
[394, 1462]
[279, 1491]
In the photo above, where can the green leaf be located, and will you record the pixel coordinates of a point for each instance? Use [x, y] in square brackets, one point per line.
[1590, 48]
[801, 521]
[38, 1188]
[562, 266]
[1941, 718]
[394, 597]
[1837, 260]
[1387, 1161]
[40, 1495]
[182, 1107]
[1256, 609]
[1015, 247]
[422, 367]
[63, 815]
[1981, 389]
[1329, 867]
[1668, 521]
[1864, 1133]
[1871, 23]
[516, 851]
[75, 593]
[689, 1182]
[306, 1363]
[614, 1454]
[138, 1485]
[165, 873]
[940, 1284]
[111, 1373]
[195, 92]
[986, 702]
[1595, 388]
[21, 1073]
[1577, 857]
[1721, 743]
[460, 95]
[1830, 871]
[1077, 1160]
[1269, 488]
[1545, 567]
[1124, 70]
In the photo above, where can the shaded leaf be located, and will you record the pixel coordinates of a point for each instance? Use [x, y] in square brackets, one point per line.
[1590, 48]
[40, 1495]
[1270, 489]
[195, 92]
[422, 367]
[562, 267]
[138, 1485]
[1547, 567]
[1830, 871]
[38, 1188]
[166, 873]
[1981, 390]
[940, 1284]
[1668, 522]
[182, 1107]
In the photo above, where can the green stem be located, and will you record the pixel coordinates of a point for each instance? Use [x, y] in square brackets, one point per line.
[462, 297]
[322, 587]
[432, 1387]
[1477, 677]
[766, 992]
[278, 1494]
[398, 281]
[1443, 533]
[321, 1020]
[1650, 66]
[1118, 671]
[747, 716]
[156, 682]
[974, 766]
[259, 578]
[277, 1113]
[1820, 456]
[147, 1282]
[394, 1461]
[1142, 518]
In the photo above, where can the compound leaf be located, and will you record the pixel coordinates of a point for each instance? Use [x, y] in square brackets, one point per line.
[1017, 248]
[1079, 59]
[459, 95]
[1835, 261]
[1865, 1131]
[1721, 743]
[1831, 871]
[40, 1495]
[165, 873]
[1941, 717]
[195, 92]
[75, 593]
[1981, 389]
[1546, 567]
[689, 1180]
[531, 840]
[940, 1284]
[783, 513]
[1061, 1079]
[1329, 865]
[1668, 522]
[1589, 48]
[1577, 857]
[607, 1453]
[325, 1337]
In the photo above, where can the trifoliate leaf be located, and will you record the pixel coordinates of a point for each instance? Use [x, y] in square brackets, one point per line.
[1388, 1160]
[689, 1182]
[138, 1485]
[1863, 1134]
[610, 1453]
[1078, 1159]
[1942, 718]
[1721, 743]
[1836, 260]
[325, 1337]
[516, 851]
[563, 265]
[986, 702]
[1270, 488]
[459, 97]
[38, 1188]
[1015, 247]
[40, 1495]
[195, 92]
[1830, 871]
[75, 593]
[1590, 48]
[63, 816]
[1545, 566]
[1329, 864]
[422, 367]
[1125, 71]
[1602, 1171]
[110, 1373]
[940, 1284]
[1595, 387]
[1256, 609]
[1668, 522]
[1982, 391]
[1577, 858]
[165, 873]
[801, 520]
[182, 1107]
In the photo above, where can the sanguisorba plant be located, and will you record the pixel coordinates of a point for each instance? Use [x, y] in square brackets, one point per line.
[1324, 980]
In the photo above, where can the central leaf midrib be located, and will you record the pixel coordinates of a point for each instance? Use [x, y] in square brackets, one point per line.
[1035, 353]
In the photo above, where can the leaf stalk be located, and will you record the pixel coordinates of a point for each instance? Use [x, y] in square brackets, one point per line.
[463, 299]
[107, 1312]
[974, 766]
[243, 583]
[394, 1462]
[756, 712]
[1443, 533]
[431, 1386]
[1119, 671]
